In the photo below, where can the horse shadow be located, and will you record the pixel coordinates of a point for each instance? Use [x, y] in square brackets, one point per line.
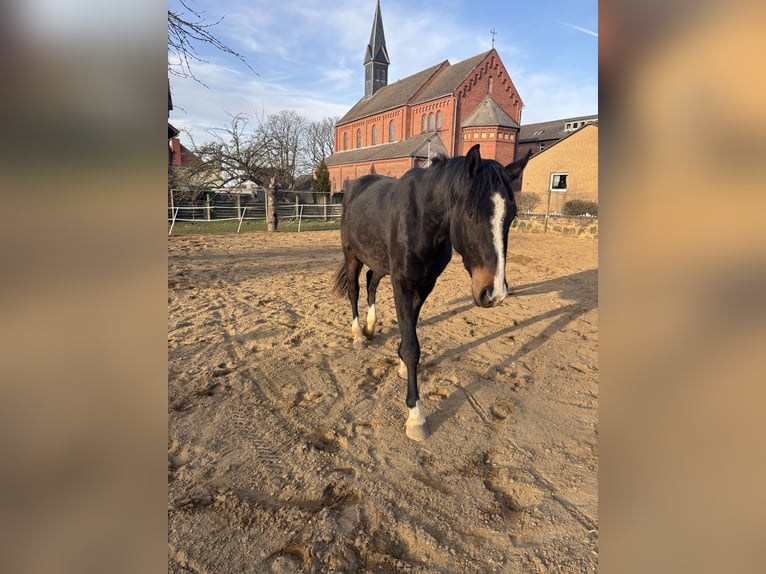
[580, 289]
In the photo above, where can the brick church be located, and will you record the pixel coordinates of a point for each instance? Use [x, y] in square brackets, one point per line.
[446, 109]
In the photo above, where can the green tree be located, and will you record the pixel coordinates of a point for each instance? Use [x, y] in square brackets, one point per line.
[320, 184]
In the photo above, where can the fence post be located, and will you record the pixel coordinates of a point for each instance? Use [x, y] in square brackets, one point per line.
[547, 210]
[324, 208]
[175, 214]
[238, 205]
[296, 206]
[241, 218]
[207, 205]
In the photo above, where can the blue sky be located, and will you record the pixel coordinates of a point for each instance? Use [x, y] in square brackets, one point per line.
[308, 54]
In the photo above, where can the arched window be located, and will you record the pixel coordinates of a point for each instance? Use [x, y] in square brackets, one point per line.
[489, 86]
[359, 138]
[334, 185]
[438, 120]
[345, 141]
[431, 122]
[423, 128]
[374, 135]
[391, 131]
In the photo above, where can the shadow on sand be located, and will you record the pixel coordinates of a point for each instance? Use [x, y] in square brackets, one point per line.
[581, 289]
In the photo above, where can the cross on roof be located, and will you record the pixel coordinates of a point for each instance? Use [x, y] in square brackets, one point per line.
[492, 31]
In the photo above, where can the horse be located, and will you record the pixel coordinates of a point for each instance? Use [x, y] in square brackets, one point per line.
[407, 228]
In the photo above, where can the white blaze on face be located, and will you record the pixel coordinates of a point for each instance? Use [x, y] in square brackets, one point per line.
[496, 223]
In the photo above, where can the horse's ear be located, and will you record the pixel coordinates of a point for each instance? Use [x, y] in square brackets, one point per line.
[514, 169]
[473, 161]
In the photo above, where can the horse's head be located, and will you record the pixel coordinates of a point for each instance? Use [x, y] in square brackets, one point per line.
[480, 222]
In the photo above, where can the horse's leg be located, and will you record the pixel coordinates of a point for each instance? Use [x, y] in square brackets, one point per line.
[372, 287]
[353, 268]
[417, 303]
[407, 309]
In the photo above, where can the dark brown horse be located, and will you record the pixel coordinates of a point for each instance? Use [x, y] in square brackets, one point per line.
[407, 227]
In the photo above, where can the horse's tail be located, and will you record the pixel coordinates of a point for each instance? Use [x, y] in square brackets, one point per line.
[339, 286]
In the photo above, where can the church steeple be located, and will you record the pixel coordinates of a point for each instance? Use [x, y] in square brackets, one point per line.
[376, 60]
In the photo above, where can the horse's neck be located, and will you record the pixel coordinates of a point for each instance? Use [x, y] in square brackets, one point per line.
[452, 195]
[441, 200]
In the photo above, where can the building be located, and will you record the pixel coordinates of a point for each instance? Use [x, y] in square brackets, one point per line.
[539, 136]
[178, 154]
[568, 167]
[443, 109]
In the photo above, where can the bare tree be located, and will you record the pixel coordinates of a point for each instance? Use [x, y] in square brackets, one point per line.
[320, 140]
[187, 29]
[189, 183]
[285, 133]
[267, 152]
[526, 201]
[236, 154]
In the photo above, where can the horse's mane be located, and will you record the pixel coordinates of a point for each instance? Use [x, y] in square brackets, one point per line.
[491, 175]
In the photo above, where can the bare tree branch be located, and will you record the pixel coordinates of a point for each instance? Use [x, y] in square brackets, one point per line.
[237, 153]
[320, 140]
[184, 32]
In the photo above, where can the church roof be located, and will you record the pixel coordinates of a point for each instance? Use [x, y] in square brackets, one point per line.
[416, 146]
[450, 79]
[488, 113]
[390, 96]
[446, 79]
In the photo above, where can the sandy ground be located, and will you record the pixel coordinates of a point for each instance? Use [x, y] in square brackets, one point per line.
[286, 447]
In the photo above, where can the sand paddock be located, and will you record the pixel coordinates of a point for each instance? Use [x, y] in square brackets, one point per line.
[286, 447]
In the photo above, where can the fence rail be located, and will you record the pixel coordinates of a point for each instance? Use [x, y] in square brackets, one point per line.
[248, 209]
[288, 212]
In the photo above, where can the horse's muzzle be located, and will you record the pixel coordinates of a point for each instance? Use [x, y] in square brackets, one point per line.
[483, 288]
[488, 298]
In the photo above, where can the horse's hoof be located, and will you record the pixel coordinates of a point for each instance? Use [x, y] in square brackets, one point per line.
[359, 344]
[417, 432]
[368, 334]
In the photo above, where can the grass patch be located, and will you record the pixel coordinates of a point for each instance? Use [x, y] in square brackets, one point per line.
[218, 227]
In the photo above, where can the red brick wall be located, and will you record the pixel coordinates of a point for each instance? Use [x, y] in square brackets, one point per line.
[471, 93]
[495, 143]
[175, 152]
[340, 174]
[444, 105]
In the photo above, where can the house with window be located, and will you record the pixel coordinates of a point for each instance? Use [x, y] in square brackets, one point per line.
[565, 170]
[445, 109]
[539, 136]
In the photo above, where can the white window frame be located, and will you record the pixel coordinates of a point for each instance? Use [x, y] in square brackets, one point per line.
[558, 174]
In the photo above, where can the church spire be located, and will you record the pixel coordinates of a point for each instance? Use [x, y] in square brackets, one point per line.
[376, 60]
